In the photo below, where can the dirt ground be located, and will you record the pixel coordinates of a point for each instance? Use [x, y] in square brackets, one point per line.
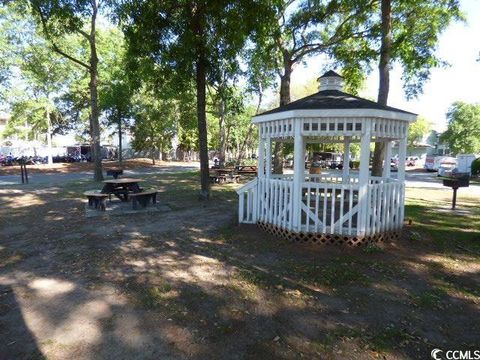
[192, 284]
[63, 168]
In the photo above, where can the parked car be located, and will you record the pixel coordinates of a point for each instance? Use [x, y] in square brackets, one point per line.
[328, 160]
[433, 163]
[393, 164]
[447, 168]
[411, 160]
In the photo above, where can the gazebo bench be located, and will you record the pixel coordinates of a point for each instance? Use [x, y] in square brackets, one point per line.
[144, 198]
[96, 199]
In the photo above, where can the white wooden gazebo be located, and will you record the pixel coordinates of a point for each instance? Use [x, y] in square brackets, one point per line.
[343, 207]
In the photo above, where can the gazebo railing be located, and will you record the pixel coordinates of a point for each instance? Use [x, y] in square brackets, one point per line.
[275, 205]
[385, 209]
[247, 202]
[319, 178]
[328, 207]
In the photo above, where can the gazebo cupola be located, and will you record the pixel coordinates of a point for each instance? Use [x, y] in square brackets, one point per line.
[347, 206]
[331, 81]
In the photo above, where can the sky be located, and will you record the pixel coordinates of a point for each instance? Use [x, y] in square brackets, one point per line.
[459, 45]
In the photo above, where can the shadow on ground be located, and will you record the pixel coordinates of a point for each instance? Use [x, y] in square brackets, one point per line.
[191, 284]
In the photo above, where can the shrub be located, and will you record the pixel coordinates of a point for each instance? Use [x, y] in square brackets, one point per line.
[476, 167]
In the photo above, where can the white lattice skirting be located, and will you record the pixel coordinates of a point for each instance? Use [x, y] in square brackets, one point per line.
[329, 239]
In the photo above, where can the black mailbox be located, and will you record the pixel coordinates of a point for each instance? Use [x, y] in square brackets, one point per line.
[455, 183]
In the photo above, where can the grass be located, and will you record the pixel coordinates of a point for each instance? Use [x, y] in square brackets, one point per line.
[9, 258]
[448, 229]
[372, 249]
[388, 338]
[152, 297]
[429, 299]
[341, 274]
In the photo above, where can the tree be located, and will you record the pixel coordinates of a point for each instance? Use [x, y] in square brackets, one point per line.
[407, 33]
[60, 18]
[155, 124]
[188, 41]
[40, 77]
[116, 89]
[299, 29]
[417, 131]
[463, 132]
[227, 102]
[383, 77]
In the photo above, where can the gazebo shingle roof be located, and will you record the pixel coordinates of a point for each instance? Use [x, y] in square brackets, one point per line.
[332, 99]
[330, 73]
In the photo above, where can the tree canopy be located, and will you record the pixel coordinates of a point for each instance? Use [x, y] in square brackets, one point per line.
[463, 132]
[187, 42]
[417, 131]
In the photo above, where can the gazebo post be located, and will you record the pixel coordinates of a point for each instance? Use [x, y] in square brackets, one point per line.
[346, 160]
[363, 178]
[261, 158]
[402, 154]
[268, 158]
[298, 174]
[388, 157]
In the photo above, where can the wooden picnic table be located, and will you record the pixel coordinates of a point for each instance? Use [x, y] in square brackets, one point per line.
[121, 187]
[246, 169]
[225, 171]
[115, 172]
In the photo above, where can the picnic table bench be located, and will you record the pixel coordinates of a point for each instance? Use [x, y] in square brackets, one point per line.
[144, 198]
[97, 199]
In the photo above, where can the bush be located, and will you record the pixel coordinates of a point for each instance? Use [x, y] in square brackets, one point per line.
[476, 167]
[355, 165]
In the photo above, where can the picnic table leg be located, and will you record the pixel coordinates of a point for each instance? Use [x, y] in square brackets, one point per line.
[102, 204]
[106, 188]
[135, 188]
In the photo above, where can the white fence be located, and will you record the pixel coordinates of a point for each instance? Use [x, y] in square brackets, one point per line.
[385, 209]
[329, 208]
[275, 205]
[328, 204]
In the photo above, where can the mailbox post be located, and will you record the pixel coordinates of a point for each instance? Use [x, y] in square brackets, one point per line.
[455, 183]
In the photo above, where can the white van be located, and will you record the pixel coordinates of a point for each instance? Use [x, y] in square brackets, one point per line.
[464, 163]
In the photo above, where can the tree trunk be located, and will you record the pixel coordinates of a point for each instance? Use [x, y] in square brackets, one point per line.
[284, 100]
[49, 137]
[384, 82]
[120, 156]
[201, 80]
[251, 127]
[95, 126]
[222, 136]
